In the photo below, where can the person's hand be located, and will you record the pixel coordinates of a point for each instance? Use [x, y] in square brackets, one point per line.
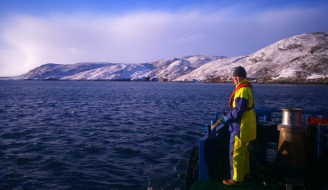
[224, 119]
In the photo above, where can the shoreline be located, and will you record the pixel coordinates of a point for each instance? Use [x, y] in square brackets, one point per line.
[290, 81]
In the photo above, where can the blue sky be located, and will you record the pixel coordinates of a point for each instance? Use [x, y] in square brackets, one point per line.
[35, 32]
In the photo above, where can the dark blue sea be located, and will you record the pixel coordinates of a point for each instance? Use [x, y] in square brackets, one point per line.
[116, 135]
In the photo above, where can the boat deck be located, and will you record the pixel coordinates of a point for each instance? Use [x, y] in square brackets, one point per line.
[248, 185]
[255, 184]
[266, 172]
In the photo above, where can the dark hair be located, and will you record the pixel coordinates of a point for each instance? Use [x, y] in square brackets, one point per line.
[239, 72]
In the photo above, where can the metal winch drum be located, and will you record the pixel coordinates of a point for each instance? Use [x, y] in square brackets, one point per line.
[291, 138]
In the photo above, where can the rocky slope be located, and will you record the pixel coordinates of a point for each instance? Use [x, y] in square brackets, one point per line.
[302, 58]
[299, 58]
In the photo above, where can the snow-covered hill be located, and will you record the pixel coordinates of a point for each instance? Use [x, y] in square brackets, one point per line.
[165, 70]
[170, 69]
[302, 57]
[299, 58]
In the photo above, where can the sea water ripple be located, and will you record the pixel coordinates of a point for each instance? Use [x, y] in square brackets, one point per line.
[115, 135]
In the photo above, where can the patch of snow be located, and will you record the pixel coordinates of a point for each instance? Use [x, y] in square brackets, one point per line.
[286, 73]
[316, 76]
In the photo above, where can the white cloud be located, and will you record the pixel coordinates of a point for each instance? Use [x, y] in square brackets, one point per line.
[28, 42]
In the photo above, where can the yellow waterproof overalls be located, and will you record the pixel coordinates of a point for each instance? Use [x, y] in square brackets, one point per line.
[242, 128]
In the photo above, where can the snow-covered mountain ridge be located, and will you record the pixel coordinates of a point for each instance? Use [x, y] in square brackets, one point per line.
[301, 58]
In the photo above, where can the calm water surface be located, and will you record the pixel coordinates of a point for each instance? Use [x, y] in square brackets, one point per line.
[116, 135]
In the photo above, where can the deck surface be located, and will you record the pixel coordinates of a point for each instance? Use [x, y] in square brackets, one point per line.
[248, 185]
